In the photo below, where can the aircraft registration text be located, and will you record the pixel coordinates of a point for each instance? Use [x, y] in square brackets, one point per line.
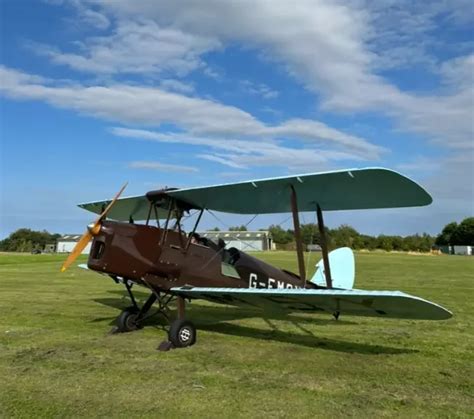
[254, 282]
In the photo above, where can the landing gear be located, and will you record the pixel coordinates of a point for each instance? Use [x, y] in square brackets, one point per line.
[132, 317]
[128, 320]
[182, 333]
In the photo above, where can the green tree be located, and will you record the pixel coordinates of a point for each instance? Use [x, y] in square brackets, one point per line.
[310, 234]
[417, 243]
[344, 236]
[368, 242]
[426, 242]
[384, 242]
[238, 228]
[457, 234]
[25, 240]
[446, 235]
[279, 235]
[397, 242]
[464, 234]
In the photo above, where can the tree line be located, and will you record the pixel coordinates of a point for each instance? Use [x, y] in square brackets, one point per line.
[347, 236]
[26, 240]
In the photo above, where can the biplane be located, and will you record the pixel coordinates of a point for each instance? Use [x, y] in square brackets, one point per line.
[174, 266]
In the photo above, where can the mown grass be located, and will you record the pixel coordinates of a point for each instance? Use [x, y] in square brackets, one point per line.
[57, 360]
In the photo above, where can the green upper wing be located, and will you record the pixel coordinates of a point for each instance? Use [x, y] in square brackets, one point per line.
[338, 190]
[136, 207]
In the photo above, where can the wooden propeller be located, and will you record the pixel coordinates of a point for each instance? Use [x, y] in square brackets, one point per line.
[92, 230]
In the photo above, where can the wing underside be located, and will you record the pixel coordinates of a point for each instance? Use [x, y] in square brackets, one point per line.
[390, 304]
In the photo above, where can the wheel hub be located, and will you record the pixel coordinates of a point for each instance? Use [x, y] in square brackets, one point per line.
[132, 321]
[184, 335]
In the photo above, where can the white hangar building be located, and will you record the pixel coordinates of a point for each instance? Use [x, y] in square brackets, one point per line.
[66, 243]
[248, 241]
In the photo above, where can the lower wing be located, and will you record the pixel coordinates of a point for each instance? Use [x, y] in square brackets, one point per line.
[390, 304]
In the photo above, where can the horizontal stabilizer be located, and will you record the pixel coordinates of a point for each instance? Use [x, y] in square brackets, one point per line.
[390, 304]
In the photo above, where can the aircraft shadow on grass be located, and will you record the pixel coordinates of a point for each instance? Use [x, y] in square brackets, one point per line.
[308, 339]
[204, 314]
[216, 320]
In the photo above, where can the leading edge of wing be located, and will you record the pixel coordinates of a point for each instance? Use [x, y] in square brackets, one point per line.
[389, 304]
[289, 177]
[136, 207]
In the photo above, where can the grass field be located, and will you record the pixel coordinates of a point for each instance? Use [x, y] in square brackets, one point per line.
[57, 360]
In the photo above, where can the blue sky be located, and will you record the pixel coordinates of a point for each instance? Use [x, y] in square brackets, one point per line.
[94, 93]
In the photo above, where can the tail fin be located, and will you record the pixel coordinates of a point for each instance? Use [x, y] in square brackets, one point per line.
[341, 262]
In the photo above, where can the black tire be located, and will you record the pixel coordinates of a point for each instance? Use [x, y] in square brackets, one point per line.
[182, 333]
[127, 321]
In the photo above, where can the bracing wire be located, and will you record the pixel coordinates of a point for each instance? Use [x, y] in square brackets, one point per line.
[284, 221]
[253, 218]
[227, 227]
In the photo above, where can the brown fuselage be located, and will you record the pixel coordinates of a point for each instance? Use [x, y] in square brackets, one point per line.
[161, 259]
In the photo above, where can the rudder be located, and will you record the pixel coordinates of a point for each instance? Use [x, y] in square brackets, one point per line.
[341, 262]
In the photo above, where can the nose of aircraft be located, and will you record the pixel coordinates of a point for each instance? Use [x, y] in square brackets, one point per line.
[92, 230]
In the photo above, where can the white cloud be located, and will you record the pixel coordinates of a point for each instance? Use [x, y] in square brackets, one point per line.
[136, 47]
[90, 16]
[310, 130]
[222, 160]
[242, 154]
[176, 86]
[162, 167]
[448, 179]
[198, 117]
[459, 72]
[420, 164]
[335, 49]
[258, 89]
[452, 185]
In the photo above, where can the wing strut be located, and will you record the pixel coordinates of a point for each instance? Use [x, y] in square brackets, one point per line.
[299, 243]
[190, 236]
[324, 246]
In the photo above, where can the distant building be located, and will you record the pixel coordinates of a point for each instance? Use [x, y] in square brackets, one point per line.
[462, 250]
[248, 241]
[49, 248]
[456, 250]
[313, 248]
[66, 243]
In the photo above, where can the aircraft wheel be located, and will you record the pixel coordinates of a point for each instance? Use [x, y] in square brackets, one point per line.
[127, 321]
[182, 333]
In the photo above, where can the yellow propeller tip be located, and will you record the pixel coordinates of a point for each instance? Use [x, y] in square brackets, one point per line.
[63, 269]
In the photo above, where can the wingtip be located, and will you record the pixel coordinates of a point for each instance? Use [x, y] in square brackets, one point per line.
[447, 314]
